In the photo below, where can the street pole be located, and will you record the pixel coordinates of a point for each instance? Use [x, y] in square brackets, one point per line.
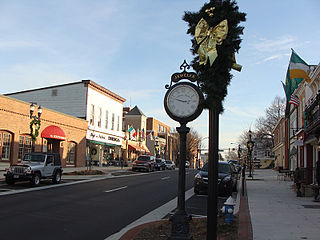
[212, 202]
[180, 220]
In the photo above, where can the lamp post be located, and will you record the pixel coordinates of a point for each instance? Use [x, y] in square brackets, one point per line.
[250, 145]
[35, 123]
[239, 152]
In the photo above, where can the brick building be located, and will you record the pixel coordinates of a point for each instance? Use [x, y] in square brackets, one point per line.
[159, 139]
[100, 107]
[59, 132]
[134, 146]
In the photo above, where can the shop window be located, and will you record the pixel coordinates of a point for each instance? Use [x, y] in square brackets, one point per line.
[91, 120]
[25, 145]
[71, 155]
[44, 145]
[5, 146]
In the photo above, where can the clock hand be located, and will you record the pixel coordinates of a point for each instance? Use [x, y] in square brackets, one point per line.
[180, 100]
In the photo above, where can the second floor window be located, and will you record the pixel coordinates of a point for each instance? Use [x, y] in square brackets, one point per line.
[91, 120]
[99, 116]
[112, 122]
[118, 123]
[106, 119]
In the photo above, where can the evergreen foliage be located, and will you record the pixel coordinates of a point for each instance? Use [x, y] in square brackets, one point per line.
[214, 79]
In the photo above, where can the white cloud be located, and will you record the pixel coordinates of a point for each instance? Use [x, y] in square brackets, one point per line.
[276, 56]
[5, 44]
[275, 45]
[251, 113]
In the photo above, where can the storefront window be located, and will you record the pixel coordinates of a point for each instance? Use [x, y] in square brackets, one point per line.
[25, 144]
[71, 153]
[5, 143]
[44, 145]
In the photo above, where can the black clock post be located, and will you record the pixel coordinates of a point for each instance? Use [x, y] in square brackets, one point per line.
[180, 220]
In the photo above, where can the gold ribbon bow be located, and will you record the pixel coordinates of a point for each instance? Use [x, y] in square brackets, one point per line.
[208, 37]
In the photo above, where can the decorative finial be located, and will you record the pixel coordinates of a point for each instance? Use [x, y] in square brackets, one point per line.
[184, 66]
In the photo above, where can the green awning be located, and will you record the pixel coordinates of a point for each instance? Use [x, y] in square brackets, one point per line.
[103, 143]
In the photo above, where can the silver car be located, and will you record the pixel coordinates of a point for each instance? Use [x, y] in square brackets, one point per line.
[170, 165]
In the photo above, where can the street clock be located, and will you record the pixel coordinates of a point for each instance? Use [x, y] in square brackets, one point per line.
[182, 102]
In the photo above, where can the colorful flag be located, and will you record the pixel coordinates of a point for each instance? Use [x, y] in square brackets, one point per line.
[294, 100]
[143, 135]
[130, 129]
[298, 68]
[134, 134]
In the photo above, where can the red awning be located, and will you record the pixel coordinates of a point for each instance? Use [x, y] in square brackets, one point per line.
[134, 146]
[53, 132]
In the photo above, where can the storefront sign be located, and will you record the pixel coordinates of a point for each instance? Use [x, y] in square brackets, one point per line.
[102, 137]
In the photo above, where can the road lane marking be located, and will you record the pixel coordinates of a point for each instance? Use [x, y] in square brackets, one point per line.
[115, 189]
[164, 178]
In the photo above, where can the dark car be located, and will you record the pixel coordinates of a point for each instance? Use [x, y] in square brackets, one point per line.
[144, 162]
[227, 179]
[160, 164]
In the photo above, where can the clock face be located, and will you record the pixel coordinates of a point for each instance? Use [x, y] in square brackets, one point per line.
[183, 101]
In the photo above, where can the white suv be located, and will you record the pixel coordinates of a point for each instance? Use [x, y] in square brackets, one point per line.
[34, 167]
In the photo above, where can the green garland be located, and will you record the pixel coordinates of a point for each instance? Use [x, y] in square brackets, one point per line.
[34, 128]
[214, 79]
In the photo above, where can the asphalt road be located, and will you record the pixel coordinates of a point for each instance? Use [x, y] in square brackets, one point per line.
[93, 210]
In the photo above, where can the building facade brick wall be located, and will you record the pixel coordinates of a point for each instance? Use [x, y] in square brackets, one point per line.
[15, 120]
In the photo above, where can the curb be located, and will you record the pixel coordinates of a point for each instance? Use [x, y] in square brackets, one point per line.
[245, 226]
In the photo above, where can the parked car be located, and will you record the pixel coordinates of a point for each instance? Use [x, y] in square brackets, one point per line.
[227, 179]
[187, 164]
[144, 162]
[34, 167]
[236, 164]
[160, 164]
[170, 165]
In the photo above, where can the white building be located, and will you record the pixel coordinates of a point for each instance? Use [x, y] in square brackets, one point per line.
[87, 100]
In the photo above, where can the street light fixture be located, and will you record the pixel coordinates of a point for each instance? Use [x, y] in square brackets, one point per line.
[250, 145]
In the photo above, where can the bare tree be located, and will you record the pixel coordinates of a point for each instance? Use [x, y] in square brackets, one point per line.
[193, 139]
[273, 114]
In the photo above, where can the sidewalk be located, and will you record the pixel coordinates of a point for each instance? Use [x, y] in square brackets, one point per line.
[107, 170]
[276, 212]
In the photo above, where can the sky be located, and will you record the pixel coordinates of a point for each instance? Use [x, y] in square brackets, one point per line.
[132, 47]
